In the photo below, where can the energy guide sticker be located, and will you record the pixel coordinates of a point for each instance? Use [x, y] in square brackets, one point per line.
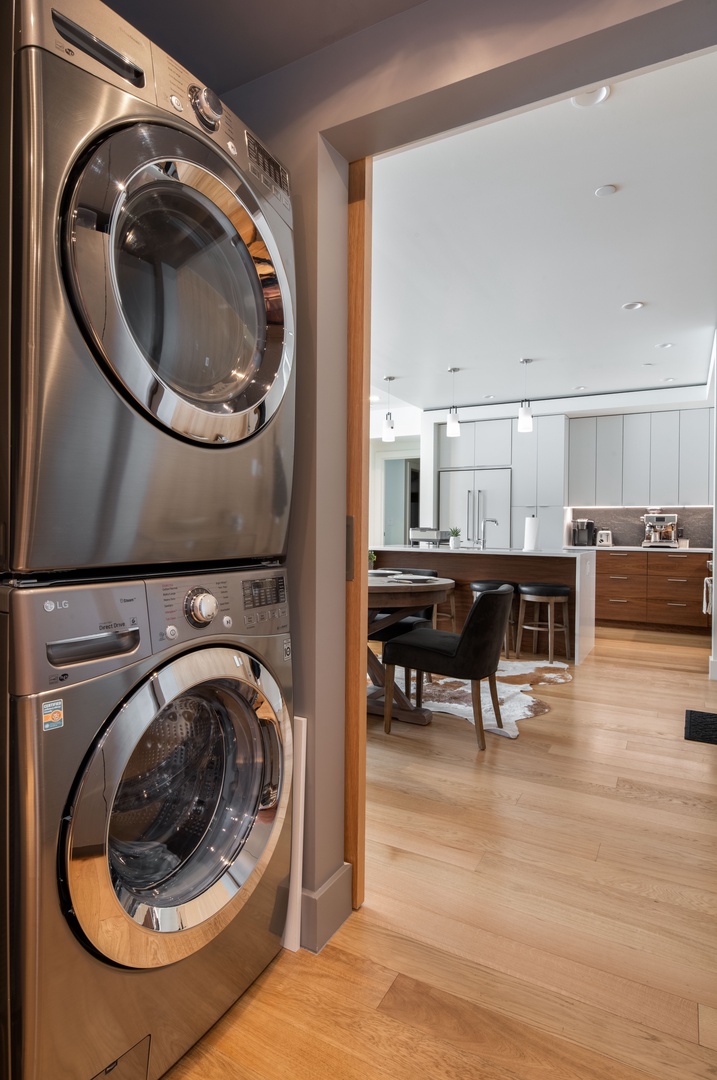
[53, 715]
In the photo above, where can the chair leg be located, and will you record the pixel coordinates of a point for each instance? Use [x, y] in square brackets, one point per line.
[477, 713]
[551, 630]
[419, 689]
[407, 682]
[494, 699]
[536, 617]
[388, 697]
[521, 619]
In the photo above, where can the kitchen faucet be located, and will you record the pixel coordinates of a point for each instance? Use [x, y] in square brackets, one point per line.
[484, 522]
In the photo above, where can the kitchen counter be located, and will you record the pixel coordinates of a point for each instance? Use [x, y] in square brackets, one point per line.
[574, 567]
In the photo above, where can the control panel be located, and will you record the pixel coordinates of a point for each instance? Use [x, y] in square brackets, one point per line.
[245, 604]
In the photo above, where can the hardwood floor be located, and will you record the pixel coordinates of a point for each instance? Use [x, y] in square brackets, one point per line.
[546, 909]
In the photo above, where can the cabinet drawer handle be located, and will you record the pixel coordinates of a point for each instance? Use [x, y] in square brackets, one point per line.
[677, 579]
[672, 556]
[616, 601]
[617, 554]
[618, 577]
[670, 604]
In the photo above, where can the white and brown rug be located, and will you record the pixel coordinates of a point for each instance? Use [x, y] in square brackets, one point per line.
[515, 679]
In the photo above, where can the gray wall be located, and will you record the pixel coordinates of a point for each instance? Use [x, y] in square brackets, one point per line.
[440, 65]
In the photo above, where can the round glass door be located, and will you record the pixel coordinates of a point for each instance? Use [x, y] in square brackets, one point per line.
[179, 284]
[179, 808]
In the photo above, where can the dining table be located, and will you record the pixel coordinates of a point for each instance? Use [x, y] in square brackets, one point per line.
[391, 597]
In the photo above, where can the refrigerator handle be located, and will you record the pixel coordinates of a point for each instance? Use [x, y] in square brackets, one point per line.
[469, 516]
[476, 523]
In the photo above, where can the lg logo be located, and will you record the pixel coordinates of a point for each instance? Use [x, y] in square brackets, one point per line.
[50, 605]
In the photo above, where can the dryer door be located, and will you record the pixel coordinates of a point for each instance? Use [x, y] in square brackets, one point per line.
[179, 284]
[178, 808]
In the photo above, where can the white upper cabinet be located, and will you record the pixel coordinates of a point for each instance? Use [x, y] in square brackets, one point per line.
[525, 468]
[695, 454]
[492, 443]
[664, 458]
[642, 459]
[608, 461]
[457, 453]
[582, 455]
[551, 460]
[636, 459]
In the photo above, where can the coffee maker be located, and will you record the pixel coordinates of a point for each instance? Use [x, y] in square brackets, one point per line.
[583, 532]
[660, 529]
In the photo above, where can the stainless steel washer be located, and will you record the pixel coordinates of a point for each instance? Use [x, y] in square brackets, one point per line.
[151, 278]
[148, 755]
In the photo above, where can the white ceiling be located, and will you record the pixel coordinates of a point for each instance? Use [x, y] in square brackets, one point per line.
[490, 245]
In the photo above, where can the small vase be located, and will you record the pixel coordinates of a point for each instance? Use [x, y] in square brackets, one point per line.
[454, 542]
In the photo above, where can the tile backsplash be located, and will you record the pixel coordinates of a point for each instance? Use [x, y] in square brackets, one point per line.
[627, 529]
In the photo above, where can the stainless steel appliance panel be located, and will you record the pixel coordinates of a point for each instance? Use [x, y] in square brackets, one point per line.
[75, 1013]
[93, 480]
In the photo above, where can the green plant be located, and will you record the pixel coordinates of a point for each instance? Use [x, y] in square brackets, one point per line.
[372, 556]
[454, 531]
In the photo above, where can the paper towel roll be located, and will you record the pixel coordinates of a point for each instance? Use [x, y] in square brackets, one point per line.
[531, 533]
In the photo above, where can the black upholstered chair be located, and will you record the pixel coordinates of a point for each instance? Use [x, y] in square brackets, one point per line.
[490, 586]
[473, 654]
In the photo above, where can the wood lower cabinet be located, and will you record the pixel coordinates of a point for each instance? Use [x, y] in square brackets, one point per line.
[662, 588]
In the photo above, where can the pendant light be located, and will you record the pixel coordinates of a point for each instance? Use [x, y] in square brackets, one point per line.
[388, 434]
[525, 416]
[453, 424]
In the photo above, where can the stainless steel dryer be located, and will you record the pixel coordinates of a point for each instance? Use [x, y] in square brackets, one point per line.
[147, 745]
[150, 383]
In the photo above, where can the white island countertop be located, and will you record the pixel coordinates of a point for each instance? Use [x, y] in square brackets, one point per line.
[569, 553]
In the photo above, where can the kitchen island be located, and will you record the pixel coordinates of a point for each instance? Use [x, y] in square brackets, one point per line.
[574, 567]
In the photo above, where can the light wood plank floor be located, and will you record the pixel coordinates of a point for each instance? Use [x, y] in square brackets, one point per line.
[542, 911]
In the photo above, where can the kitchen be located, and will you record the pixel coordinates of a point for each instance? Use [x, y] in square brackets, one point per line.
[619, 391]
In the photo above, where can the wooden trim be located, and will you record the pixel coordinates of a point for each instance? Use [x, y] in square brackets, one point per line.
[357, 478]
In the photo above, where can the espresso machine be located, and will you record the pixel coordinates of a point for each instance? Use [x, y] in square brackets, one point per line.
[583, 532]
[660, 529]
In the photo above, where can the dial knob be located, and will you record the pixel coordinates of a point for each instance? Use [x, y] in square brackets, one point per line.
[207, 106]
[200, 607]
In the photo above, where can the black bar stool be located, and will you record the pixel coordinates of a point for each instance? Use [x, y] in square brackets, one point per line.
[540, 593]
[480, 587]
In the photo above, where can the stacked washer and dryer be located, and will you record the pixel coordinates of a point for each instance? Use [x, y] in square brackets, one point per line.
[145, 651]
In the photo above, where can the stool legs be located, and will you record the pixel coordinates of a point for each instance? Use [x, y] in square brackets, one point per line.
[536, 626]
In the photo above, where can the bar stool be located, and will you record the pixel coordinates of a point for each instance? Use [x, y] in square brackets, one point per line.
[540, 593]
[479, 587]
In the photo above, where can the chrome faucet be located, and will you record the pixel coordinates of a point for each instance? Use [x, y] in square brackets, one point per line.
[484, 522]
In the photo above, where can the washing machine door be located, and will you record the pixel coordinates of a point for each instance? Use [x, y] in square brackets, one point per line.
[179, 284]
[179, 808]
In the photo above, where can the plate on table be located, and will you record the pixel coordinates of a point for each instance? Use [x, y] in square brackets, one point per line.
[414, 579]
[383, 573]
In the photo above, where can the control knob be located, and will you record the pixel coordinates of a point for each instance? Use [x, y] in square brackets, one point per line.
[207, 106]
[200, 607]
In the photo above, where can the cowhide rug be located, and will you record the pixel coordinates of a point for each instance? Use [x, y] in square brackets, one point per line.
[515, 678]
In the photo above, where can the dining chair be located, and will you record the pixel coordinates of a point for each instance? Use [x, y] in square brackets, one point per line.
[473, 654]
[422, 619]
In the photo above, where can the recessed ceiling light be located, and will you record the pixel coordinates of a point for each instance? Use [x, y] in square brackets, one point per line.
[374, 397]
[591, 97]
[664, 345]
[634, 305]
[667, 380]
[579, 388]
[648, 363]
[488, 397]
[605, 190]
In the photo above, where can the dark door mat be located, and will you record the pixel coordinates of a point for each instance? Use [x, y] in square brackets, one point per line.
[701, 726]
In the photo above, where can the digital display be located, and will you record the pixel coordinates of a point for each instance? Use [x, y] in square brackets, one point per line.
[262, 592]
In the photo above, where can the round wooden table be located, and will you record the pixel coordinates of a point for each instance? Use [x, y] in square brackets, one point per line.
[393, 596]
